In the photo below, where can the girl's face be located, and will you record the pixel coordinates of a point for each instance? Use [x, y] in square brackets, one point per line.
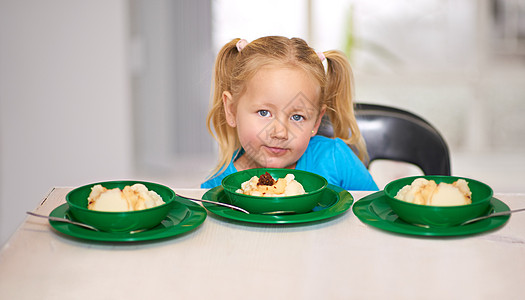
[275, 117]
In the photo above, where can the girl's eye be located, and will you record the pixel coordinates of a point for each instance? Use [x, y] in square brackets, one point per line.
[263, 113]
[297, 118]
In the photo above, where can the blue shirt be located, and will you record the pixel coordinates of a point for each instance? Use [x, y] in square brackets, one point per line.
[330, 158]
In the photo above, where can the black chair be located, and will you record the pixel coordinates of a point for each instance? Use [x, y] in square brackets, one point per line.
[395, 134]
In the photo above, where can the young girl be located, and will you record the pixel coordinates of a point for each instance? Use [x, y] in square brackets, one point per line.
[269, 98]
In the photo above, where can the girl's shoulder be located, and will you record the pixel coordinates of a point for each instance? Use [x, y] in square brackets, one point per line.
[322, 144]
[322, 149]
[337, 162]
[217, 178]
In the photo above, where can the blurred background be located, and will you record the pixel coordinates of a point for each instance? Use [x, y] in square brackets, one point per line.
[103, 90]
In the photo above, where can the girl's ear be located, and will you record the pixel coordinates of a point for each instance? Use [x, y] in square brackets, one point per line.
[319, 119]
[229, 108]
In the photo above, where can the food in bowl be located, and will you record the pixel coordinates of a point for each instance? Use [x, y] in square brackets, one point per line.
[428, 192]
[118, 221]
[314, 186]
[267, 186]
[130, 198]
[434, 215]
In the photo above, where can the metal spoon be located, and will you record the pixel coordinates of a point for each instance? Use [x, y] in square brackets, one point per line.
[216, 203]
[73, 222]
[62, 220]
[501, 213]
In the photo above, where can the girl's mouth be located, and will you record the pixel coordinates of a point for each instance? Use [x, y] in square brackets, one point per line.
[276, 150]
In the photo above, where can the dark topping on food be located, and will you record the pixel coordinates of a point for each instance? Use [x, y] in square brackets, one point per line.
[266, 179]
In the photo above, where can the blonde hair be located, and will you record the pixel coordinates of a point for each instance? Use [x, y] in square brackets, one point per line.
[233, 69]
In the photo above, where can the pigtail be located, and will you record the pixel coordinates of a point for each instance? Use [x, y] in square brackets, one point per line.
[339, 99]
[225, 135]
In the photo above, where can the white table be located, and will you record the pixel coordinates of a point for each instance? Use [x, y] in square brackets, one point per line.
[337, 259]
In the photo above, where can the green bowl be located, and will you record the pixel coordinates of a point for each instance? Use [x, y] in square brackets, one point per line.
[77, 200]
[313, 185]
[439, 216]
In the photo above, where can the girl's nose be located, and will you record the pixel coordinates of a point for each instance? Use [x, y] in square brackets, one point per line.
[279, 130]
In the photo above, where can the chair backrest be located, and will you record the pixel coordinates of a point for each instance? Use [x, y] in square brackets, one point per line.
[395, 134]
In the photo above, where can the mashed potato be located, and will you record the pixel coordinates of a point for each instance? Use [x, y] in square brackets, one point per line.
[266, 186]
[135, 197]
[427, 192]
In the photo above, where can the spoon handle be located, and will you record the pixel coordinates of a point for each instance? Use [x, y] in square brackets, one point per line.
[61, 220]
[215, 202]
[501, 213]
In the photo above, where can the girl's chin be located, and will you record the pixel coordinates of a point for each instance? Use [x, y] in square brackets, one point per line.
[280, 165]
[244, 162]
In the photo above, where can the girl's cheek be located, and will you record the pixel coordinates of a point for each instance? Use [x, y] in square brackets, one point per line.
[300, 127]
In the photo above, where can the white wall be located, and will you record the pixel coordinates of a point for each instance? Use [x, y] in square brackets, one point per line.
[171, 83]
[64, 99]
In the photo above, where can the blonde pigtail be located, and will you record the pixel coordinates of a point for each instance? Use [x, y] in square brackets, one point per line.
[225, 135]
[339, 99]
